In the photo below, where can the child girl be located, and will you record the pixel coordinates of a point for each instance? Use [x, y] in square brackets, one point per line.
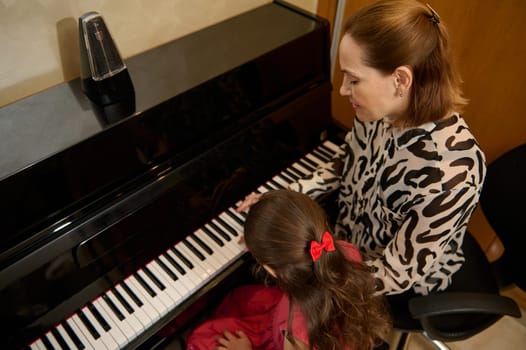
[322, 298]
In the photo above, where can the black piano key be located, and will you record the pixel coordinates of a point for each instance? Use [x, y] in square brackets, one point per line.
[154, 278]
[132, 295]
[174, 263]
[322, 155]
[88, 325]
[60, 340]
[275, 184]
[296, 171]
[286, 178]
[213, 236]
[327, 150]
[193, 250]
[310, 162]
[291, 174]
[166, 269]
[202, 244]
[47, 343]
[145, 285]
[234, 217]
[113, 307]
[74, 337]
[229, 228]
[306, 165]
[268, 187]
[99, 317]
[123, 301]
[180, 255]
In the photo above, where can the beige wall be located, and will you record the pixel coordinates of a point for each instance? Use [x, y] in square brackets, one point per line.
[39, 41]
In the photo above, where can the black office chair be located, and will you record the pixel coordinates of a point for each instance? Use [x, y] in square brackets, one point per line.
[472, 303]
[503, 202]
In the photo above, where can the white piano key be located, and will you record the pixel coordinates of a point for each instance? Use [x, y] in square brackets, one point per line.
[281, 181]
[157, 302]
[210, 259]
[80, 335]
[224, 227]
[190, 280]
[181, 283]
[87, 336]
[179, 289]
[315, 160]
[224, 253]
[197, 269]
[132, 322]
[116, 333]
[202, 264]
[321, 155]
[37, 345]
[166, 280]
[138, 311]
[105, 337]
[215, 233]
[54, 343]
[301, 169]
[220, 229]
[234, 224]
[149, 306]
[60, 329]
[332, 146]
[232, 247]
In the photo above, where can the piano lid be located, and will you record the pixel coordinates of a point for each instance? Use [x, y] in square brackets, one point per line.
[190, 94]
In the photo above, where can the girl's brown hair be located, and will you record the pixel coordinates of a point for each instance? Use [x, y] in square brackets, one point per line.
[335, 295]
[395, 33]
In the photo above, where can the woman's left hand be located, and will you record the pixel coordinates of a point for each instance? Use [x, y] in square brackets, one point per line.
[229, 341]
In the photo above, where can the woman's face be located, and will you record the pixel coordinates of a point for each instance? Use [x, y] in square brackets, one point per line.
[373, 94]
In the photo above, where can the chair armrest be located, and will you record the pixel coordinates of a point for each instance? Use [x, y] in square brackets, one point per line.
[447, 303]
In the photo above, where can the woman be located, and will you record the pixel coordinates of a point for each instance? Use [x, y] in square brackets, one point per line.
[410, 172]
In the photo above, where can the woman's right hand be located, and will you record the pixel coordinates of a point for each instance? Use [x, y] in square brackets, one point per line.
[249, 200]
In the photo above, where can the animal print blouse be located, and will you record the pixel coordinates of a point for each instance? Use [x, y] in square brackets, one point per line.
[405, 198]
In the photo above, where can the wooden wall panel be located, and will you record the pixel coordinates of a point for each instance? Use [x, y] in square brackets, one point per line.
[490, 42]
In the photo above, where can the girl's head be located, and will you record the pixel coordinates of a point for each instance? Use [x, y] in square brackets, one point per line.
[278, 232]
[335, 295]
[396, 60]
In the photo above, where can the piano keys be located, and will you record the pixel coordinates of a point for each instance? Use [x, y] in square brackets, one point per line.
[109, 240]
[113, 319]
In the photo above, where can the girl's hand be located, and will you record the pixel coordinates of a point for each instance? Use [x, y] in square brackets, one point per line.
[230, 341]
[250, 200]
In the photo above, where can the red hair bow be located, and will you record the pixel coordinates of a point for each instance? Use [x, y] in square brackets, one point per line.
[326, 244]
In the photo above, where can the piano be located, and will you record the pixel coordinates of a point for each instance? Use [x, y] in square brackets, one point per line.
[106, 242]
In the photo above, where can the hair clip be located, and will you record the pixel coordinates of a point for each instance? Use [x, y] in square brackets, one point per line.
[326, 244]
[435, 18]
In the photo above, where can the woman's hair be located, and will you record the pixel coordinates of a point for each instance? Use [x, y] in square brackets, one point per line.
[335, 295]
[395, 33]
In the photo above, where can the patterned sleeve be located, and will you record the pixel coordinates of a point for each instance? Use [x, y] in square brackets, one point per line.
[325, 178]
[424, 235]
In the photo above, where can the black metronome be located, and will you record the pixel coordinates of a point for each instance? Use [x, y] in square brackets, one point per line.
[104, 77]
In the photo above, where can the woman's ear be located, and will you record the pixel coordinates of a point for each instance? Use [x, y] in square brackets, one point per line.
[403, 77]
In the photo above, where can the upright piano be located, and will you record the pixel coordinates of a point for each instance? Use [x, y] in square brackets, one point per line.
[107, 241]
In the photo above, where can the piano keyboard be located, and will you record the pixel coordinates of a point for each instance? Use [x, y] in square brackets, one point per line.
[118, 316]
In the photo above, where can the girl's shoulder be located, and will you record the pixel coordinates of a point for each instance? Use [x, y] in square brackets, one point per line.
[350, 251]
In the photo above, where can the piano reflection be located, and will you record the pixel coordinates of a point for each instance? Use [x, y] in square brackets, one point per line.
[107, 241]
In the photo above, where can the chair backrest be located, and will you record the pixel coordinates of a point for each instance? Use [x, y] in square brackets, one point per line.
[503, 202]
